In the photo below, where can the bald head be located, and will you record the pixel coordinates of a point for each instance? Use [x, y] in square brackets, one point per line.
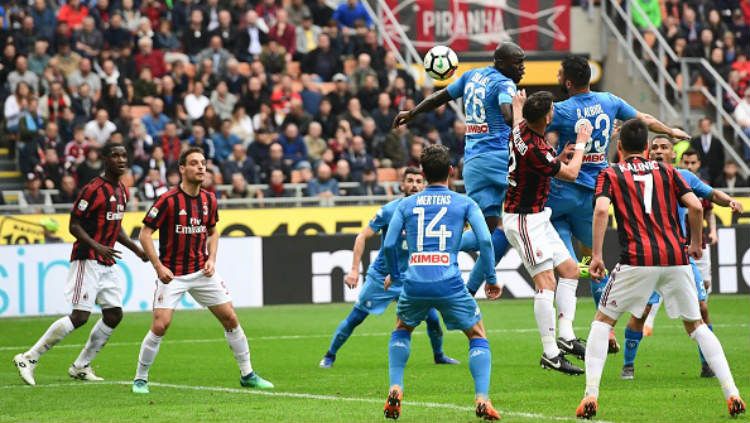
[509, 58]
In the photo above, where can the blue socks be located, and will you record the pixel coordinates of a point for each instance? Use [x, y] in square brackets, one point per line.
[344, 330]
[597, 289]
[499, 245]
[700, 353]
[632, 340]
[480, 364]
[435, 332]
[398, 354]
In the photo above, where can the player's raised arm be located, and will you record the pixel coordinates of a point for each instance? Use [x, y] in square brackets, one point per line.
[569, 171]
[518, 100]
[391, 245]
[352, 278]
[723, 199]
[655, 125]
[432, 102]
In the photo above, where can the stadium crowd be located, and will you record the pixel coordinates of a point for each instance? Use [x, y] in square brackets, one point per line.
[274, 94]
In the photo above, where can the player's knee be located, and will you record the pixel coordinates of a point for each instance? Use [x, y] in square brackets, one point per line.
[230, 321]
[568, 269]
[704, 311]
[159, 327]
[476, 331]
[400, 325]
[636, 323]
[112, 316]
[691, 326]
[79, 318]
[545, 280]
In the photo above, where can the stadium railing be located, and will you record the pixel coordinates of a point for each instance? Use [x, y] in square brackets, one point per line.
[682, 112]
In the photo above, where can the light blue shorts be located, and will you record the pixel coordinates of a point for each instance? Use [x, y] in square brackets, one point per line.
[572, 212]
[702, 293]
[460, 311]
[373, 298]
[486, 181]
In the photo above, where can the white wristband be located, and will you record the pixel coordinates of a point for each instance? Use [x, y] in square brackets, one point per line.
[580, 146]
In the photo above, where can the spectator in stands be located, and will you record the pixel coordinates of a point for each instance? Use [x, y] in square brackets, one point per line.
[209, 183]
[33, 194]
[350, 12]
[323, 61]
[199, 139]
[340, 96]
[741, 28]
[368, 93]
[742, 115]
[52, 170]
[39, 59]
[251, 40]
[173, 177]
[45, 20]
[51, 138]
[224, 141]
[139, 147]
[165, 40]
[196, 102]
[15, 106]
[354, 115]
[75, 150]
[323, 185]
[384, 114]
[294, 147]
[68, 191]
[195, 37]
[651, 14]
[225, 30]
[155, 121]
[710, 151]
[275, 160]
[223, 101]
[391, 72]
[369, 185]
[72, 13]
[731, 177]
[274, 57]
[276, 187]
[326, 118]
[217, 54]
[284, 33]
[298, 116]
[241, 125]
[358, 158]
[240, 188]
[715, 24]
[415, 154]
[99, 129]
[702, 49]
[396, 146]
[170, 143]
[690, 26]
[52, 103]
[89, 40]
[82, 103]
[153, 186]
[314, 142]
[21, 73]
[454, 140]
[239, 162]
[306, 33]
[116, 36]
[149, 57]
[130, 16]
[343, 175]
[441, 118]
[267, 9]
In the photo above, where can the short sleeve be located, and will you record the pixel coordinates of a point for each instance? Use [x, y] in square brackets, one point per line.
[380, 220]
[700, 188]
[624, 110]
[456, 88]
[88, 201]
[156, 214]
[214, 212]
[603, 186]
[506, 91]
[679, 186]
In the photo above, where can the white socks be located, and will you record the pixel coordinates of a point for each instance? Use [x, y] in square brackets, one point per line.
[238, 344]
[149, 349]
[544, 312]
[714, 354]
[597, 345]
[565, 300]
[99, 335]
[56, 332]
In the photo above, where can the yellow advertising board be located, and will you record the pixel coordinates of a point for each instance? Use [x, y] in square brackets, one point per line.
[26, 229]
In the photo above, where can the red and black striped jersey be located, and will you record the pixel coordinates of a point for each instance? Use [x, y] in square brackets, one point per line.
[183, 222]
[645, 195]
[530, 171]
[99, 208]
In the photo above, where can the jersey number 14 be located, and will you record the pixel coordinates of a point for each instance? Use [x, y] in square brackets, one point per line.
[442, 234]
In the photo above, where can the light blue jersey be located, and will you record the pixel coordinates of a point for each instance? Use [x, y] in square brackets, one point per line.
[379, 268]
[601, 109]
[700, 188]
[434, 221]
[483, 91]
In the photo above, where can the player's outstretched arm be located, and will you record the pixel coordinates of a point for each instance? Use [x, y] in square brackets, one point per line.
[80, 234]
[352, 278]
[391, 245]
[599, 227]
[147, 243]
[432, 102]
[125, 240]
[569, 171]
[723, 199]
[695, 220]
[655, 125]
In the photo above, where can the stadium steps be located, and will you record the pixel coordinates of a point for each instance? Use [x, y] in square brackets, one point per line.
[10, 177]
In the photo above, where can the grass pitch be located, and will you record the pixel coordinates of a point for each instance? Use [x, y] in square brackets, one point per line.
[195, 377]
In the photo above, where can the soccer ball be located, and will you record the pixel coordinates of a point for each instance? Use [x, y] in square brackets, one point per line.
[440, 62]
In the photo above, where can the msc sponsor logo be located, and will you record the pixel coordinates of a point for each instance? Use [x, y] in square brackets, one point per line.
[429, 259]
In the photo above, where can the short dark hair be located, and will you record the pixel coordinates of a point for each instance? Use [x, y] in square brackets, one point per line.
[576, 69]
[411, 170]
[106, 151]
[634, 136]
[692, 152]
[436, 163]
[537, 106]
[662, 137]
[184, 155]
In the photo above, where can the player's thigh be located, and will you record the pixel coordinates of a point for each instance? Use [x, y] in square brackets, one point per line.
[628, 290]
[704, 264]
[209, 291]
[82, 284]
[374, 298]
[109, 294]
[562, 260]
[486, 182]
[581, 224]
[677, 286]
[529, 234]
[412, 311]
[168, 295]
[564, 231]
[460, 311]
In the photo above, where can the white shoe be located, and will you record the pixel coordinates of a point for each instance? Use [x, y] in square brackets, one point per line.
[25, 368]
[83, 373]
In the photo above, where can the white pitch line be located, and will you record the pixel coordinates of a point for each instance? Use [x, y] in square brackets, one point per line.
[328, 335]
[297, 395]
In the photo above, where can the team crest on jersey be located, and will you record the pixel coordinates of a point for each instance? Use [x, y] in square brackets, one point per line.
[153, 212]
[83, 205]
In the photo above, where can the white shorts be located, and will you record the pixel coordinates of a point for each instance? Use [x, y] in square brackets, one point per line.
[536, 240]
[630, 288]
[208, 292]
[704, 264]
[90, 282]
